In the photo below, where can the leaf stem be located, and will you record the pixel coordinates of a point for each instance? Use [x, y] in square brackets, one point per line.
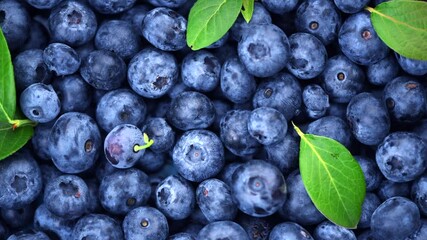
[16, 123]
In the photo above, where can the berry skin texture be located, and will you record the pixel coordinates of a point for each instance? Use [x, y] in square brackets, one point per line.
[223, 230]
[29, 68]
[61, 59]
[97, 227]
[46, 221]
[419, 193]
[40, 103]
[200, 70]
[111, 6]
[15, 23]
[402, 156]
[328, 231]
[146, 223]
[289, 230]
[267, 125]
[259, 188]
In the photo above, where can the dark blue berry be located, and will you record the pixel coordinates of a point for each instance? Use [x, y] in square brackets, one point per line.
[15, 23]
[145, 223]
[329, 231]
[73, 92]
[267, 125]
[111, 6]
[48, 222]
[331, 127]
[29, 68]
[370, 204]
[371, 172]
[40, 103]
[260, 15]
[383, 71]
[61, 59]
[315, 101]
[97, 227]
[284, 154]
[289, 230]
[43, 4]
[419, 193]
[162, 134]
[279, 6]
[200, 70]
[412, 66]
[223, 230]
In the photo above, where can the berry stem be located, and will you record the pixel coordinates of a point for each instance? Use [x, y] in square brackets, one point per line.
[148, 143]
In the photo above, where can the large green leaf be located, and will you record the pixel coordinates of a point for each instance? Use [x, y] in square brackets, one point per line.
[11, 140]
[248, 9]
[7, 83]
[333, 179]
[209, 20]
[402, 25]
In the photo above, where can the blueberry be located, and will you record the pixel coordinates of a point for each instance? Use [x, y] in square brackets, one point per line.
[72, 23]
[67, 196]
[419, 193]
[342, 79]
[145, 223]
[21, 180]
[73, 92]
[221, 108]
[75, 142]
[308, 56]
[371, 172]
[329, 231]
[267, 125]
[165, 29]
[97, 227]
[94, 204]
[29, 68]
[119, 37]
[40, 103]
[315, 101]
[383, 71]
[282, 92]
[359, 41]
[235, 135]
[181, 236]
[227, 172]
[124, 190]
[350, 6]
[420, 233]
[111, 6]
[264, 50]
[236, 83]
[121, 106]
[103, 70]
[28, 235]
[48, 222]
[402, 156]
[258, 188]
[43, 4]
[191, 110]
[260, 15]
[215, 200]
[412, 66]
[200, 70]
[120, 146]
[61, 59]
[320, 18]
[135, 16]
[289, 230]
[280, 7]
[284, 154]
[388, 189]
[406, 99]
[387, 222]
[298, 206]
[18, 218]
[15, 23]
[368, 118]
[162, 134]
[223, 230]
[257, 228]
[175, 197]
[167, 3]
[38, 36]
[369, 205]
[152, 162]
[152, 72]
[220, 42]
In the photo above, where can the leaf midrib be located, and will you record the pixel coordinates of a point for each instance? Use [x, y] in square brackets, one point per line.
[396, 21]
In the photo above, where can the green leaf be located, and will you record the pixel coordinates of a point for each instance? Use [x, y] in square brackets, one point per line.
[7, 83]
[402, 25]
[333, 179]
[12, 140]
[247, 9]
[209, 20]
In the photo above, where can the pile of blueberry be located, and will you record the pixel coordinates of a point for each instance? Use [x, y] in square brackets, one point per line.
[221, 158]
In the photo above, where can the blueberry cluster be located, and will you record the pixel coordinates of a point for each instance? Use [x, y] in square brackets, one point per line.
[96, 75]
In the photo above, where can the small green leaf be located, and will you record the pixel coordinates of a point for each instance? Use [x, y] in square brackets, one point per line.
[333, 179]
[146, 139]
[402, 25]
[209, 20]
[247, 9]
[7, 83]
[12, 140]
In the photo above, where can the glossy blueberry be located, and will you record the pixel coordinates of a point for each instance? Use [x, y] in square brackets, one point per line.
[279, 6]
[124, 190]
[18, 218]
[191, 110]
[97, 227]
[308, 56]
[267, 125]
[371, 172]
[40, 103]
[61, 59]
[145, 223]
[181, 236]
[388, 189]
[75, 142]
[72, 23]
[406, 99]
[264, 50]
[320, 18]
[383, 71]
[402, 156]
[21, 180]
[152, 162]
[351, 6]
[236, 83]
[175, 197]
[289, 230]
[284, 154]
[152, 72]
[260, 15]
[368, 118]
[165, 29]
[200, 70]
[412, 66]
[111, 6]
[258, 188]
[198, 155]
[135, 16]
[315, 101]
[359, 41]
[419, 193]
[235, 135]
[119, 37]
[121, 106]
[15, 23]
[223, 230]
[120, 143]
[28, 234]
[29, 68]
[370, 204]
[387, 221]
[50, 223]
[103, 70]
[67, 196]
[73, 92]
[282, 92]
[329, 231]
[215, 200]
[331, 127]
[162, 134]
